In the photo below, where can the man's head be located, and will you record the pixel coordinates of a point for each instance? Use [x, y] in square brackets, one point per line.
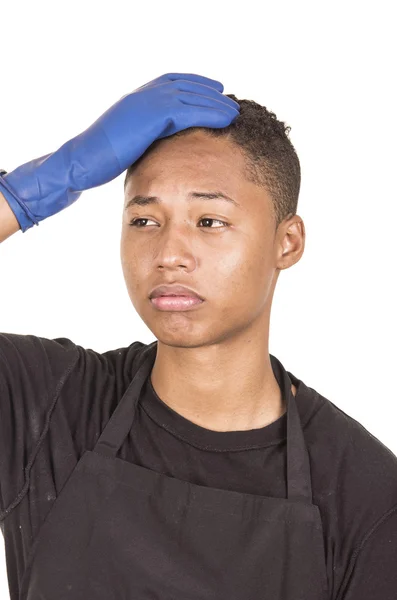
[234, 264]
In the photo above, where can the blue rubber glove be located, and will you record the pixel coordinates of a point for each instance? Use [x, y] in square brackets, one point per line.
[46, 185]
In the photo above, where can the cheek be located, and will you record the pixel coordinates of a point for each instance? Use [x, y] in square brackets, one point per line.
[133, 269]
[248, 271]
[249, 256]
[233, 274]
[132, 256]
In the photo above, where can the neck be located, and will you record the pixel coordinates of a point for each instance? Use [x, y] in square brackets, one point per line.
[228, 386]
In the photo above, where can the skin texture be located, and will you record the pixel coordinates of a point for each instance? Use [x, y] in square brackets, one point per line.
[212, 364]
[8, 222]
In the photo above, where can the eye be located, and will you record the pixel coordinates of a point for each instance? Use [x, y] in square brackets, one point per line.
[133, 223]
[216, 221]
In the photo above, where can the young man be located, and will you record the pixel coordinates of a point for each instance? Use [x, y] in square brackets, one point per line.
[196, 467]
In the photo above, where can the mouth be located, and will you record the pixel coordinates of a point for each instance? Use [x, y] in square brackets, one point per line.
[176, 303]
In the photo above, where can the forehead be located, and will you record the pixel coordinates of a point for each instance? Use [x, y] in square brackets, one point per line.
[192, 159]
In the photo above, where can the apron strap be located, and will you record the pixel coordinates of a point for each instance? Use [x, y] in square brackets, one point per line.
[298, 466]
[122, 418]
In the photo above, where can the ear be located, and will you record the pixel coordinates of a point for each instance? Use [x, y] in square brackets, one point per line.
[291, 237]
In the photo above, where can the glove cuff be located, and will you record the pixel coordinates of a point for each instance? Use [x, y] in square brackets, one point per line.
[25, 217]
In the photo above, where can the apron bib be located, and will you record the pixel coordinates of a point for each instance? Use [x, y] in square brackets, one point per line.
[120, 531]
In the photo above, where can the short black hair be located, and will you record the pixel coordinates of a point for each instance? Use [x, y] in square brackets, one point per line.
[272, 161]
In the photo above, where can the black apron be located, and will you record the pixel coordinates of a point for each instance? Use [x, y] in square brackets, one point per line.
[121, 531]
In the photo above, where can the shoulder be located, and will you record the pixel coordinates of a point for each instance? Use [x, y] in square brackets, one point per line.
[348, 461]
[55, 395]
[354, 479]
[49, 358]
[33, 365]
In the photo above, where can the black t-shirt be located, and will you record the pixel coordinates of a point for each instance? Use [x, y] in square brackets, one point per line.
[56, 397]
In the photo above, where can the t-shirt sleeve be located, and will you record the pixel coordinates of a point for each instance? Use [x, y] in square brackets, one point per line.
[32, 372]
[373, 570]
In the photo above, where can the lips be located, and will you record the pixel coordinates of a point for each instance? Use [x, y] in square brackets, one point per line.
[174, 290]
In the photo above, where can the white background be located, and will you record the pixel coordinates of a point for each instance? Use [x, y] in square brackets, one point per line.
[326, 69]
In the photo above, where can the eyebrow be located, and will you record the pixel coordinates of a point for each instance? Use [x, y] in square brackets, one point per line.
[145, 200]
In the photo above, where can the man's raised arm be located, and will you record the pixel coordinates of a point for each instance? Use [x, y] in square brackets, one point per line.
[44, 186]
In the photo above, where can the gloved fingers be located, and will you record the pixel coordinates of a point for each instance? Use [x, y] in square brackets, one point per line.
[213, 83]
[206, 91]
[200, 117]
[219, 102]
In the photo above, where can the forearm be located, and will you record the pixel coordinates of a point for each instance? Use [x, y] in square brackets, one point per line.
[8, 222]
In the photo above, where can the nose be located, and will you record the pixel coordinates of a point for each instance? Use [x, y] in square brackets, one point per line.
[175, 247]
